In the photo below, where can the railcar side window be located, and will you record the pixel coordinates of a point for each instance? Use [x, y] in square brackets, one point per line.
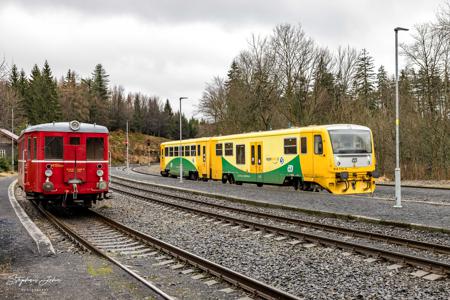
[34, 148]
[74, 140]
[219, 149]
[290, 146]
[187, 152]
[166, 151]
[29, 149]
[198, 150]
[304, 145]
[170, 151]
[204, 153]
[176, 150]
[53, 147]
[318, 146]
[193, 150]
[228, 149]
[252, 154]
[94, 148]
[259, 154]
[240, 154]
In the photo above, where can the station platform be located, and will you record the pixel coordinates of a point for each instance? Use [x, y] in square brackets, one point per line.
[430, 215]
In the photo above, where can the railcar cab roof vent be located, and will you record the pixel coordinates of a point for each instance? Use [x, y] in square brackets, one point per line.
[74, 125]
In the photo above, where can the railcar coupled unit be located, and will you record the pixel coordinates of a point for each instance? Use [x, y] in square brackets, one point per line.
[339, 158]
[64, 163]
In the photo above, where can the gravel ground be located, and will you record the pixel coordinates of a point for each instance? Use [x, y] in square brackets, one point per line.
[314, 273]
[368, 242]
[418, 213]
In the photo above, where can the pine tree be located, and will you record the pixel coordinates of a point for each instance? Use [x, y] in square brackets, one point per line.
[50, 95]
[14, 77]
[100, 83]
[364, 79]
[383, 88]
[98, 88]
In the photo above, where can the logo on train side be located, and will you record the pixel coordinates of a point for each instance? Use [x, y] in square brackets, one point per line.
[354, 160]
[281, 160]
[290, 168]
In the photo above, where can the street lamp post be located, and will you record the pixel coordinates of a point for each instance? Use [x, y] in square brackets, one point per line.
[12, 140]
[398, 189]
[180, 149]
[128, 162]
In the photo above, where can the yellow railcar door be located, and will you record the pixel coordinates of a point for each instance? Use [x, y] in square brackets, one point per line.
[306, 156]
[320, 160]
[202, 160]
[253, 167]
[259, 162]
[256, 161]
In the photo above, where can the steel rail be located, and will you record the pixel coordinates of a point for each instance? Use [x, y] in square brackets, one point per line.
[251, 285]
[91, 248]
[316, 225]
[414, 186]
[436, 266]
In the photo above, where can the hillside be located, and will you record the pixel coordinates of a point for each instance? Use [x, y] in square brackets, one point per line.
[141, 145]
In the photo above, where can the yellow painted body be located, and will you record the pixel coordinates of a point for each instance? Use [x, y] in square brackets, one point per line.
[266, 160]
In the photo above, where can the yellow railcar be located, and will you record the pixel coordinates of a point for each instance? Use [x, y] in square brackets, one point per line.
[339, 158]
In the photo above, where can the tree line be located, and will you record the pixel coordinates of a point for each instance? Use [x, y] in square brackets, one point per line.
[286, 79]
[40, 98]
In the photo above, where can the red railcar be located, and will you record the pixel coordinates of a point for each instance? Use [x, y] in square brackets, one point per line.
[64, 162]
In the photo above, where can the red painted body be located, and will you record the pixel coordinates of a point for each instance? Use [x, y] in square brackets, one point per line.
[72, 164]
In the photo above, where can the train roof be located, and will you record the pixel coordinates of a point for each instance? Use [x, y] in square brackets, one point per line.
[274, 132]
[65, 127]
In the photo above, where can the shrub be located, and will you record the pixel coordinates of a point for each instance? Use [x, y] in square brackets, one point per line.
[5, 165]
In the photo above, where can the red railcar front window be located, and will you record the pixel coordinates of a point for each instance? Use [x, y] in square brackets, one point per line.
[94, 148]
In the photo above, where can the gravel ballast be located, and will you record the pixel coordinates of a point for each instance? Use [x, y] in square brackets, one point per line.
[411, 213]
[313, 273]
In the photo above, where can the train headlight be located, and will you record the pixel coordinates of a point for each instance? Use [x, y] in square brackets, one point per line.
[74, 125]
[48, 186]
[48, 172]
[99, 173]
[102, 185]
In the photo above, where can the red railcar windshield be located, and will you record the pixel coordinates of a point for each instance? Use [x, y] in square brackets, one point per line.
[94, 148]
[53, 147]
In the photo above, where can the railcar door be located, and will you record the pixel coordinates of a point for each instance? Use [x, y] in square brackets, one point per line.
[306, 156]
[320, 159]
[74, 160]
[203, 160]
[256, 161]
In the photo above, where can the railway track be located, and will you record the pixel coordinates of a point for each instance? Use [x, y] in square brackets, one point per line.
[134, 169]
[113, 241]
[417, 261]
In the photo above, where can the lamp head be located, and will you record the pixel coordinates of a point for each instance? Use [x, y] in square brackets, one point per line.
[182, 98]
[400, 29]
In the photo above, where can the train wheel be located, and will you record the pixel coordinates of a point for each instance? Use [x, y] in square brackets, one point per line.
[238, 183]
[259, 184]
[224, 178]
[296, 184]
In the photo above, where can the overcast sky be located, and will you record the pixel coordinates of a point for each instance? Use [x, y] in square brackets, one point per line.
[172, 48]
